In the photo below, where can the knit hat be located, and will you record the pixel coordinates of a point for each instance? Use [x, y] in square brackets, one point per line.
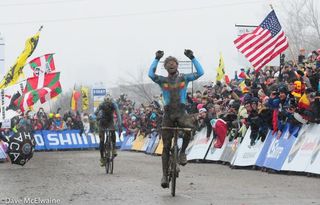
[202, 110]
[199, 106]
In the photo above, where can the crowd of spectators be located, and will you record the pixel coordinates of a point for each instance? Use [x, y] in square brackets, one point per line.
[269, 99]
[142, 119]
[34, 121]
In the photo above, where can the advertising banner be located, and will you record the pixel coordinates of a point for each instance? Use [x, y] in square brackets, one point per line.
[159, 148]
[314, 164]
[214, 154]
[263, 153]
[3, 154]
[98, 96]
[118, 140]
[127, 142]
[145, 144]
[155, 144]
[68, 139]
[229, 151]
[153, 136]
[198, 148]
[6, 123]
[40, 145]
[247, 155]
[301, 152]
[138, 143]
[279, 149]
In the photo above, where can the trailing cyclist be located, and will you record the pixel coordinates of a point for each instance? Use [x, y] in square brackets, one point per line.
[174, 92]
[104, 115]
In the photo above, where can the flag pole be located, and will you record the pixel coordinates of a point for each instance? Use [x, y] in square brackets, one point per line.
[50, 105]
[271, 6]
[81, 97]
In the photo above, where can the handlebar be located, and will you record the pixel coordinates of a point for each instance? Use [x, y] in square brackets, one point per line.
[108, 129]
[177, 128]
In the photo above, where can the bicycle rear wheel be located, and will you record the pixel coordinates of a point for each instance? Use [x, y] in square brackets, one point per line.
[174, 170]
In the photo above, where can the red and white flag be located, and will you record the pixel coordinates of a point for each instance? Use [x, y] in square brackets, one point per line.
[40, 88]
[264, 43]
[42, 64]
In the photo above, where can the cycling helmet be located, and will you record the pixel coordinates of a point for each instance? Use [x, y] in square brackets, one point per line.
[107, 97]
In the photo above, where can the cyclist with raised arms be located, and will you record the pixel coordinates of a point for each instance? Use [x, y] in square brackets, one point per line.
[174, 91]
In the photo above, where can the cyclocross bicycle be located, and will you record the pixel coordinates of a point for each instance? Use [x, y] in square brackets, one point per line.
[173, 169]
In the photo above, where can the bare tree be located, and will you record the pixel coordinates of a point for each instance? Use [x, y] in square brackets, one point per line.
[313, 17]
[302, 24]
[62, 102]
[136, 84]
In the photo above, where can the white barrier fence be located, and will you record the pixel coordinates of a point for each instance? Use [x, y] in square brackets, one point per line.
[288, 153]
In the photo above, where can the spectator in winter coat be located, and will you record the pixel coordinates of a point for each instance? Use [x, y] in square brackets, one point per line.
[205, 121]
[36, 124]
[86, 124]
[58, 124]
[254, 120]
[220, 129]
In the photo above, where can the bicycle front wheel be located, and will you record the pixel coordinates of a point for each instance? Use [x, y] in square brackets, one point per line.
[109, 166]
[174, 170]
[109, 162]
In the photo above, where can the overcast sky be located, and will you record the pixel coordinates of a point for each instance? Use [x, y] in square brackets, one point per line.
[109, 40]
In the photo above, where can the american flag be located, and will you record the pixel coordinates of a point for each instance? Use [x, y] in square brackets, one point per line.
[264, 43]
